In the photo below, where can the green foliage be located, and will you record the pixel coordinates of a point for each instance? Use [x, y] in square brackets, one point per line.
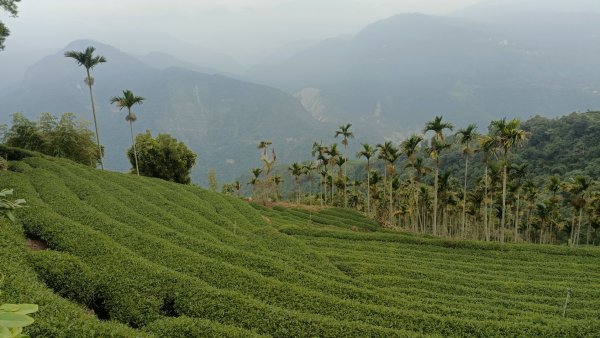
[11, 7]
[14, 317]
[185, 327]
[179, 261]
[8, 206]
[163, 157]
[66, 137]
[213, 183]
[565, 146]
[66, 274]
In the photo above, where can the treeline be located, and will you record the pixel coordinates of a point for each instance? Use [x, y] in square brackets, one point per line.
[514, 182]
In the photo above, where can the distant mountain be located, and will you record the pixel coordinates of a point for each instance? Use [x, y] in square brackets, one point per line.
[399, 72]
[160, 60]
[220, 118]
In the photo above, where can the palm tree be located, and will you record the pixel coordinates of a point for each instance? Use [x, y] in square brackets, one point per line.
[488, 145]
[347, 134]
[319, 150]
[238, 188]
[578, 186]
[269, 163]
[409, 148]
[518, 172]
[438, 127]
[434, 151]
[436, 147]
[277, 180]
[88, 60]
[334, 155]
[465, 137]
[128, 100]
[389, 154]
[421, 170]
[507, 135]
[308, 169]
[256, 174]
[296, 169]
[263, 145]
[543, 214]
[367, 152]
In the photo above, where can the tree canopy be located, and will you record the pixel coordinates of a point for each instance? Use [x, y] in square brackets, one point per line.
[163, 157]
[66, 137]
[11, 7]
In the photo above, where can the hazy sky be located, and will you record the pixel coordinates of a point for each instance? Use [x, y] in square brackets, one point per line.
[241, 28]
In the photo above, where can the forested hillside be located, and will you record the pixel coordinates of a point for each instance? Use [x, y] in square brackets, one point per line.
[566, 146]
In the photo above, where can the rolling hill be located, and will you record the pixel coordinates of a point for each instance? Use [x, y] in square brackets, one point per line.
[119, 255]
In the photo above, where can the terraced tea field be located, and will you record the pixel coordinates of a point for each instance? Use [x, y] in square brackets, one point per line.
[132, 256]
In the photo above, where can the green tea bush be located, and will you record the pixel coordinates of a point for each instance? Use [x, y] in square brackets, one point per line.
[66, 274]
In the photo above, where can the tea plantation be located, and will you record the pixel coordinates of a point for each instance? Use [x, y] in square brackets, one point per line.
[139, 257]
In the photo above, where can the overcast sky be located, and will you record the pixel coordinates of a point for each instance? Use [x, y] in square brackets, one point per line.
[241, 28]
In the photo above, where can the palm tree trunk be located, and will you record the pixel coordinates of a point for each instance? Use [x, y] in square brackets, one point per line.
[95, 122]
[588, 233]
[137, 168]
[322, 196]
[415, 221]
[368, 187]
[517, 217]
[464, 211]
[345, 176]
[332, 179]
[573, 226]
[578, 226]
[491, 215]
[297, 191]
[391, 202]
[485, 205]
[503, 217]
[435, 197]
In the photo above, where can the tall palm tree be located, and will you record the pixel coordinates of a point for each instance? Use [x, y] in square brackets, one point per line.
[519, 172]
[409, 148]
[296, 169]
[263, 145]
[334, 155]
[128, 100]
[88, 60]
[308, 169]
[487, 145]
[465, 137]
[269, 163]
[367, 152]
[438, 127]
[277, 180]
[255, 179]
[436, 147]
[507, 135]
[421, 170]
[345, 132]
[320, 151]
[389, 154]
[434, 151]
[579, 186]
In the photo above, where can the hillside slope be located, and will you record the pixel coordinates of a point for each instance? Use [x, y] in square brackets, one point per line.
[138, 256]
[218, 117]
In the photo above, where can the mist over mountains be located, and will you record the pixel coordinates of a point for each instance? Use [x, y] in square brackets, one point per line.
[481, 63]
[220, 118]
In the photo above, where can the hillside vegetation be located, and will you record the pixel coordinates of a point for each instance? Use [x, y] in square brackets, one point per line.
[134, 256]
